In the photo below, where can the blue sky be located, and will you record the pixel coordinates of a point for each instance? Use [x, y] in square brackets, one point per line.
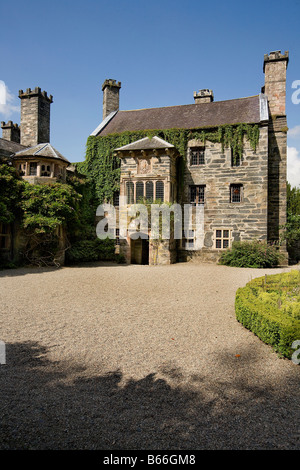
[162, 51]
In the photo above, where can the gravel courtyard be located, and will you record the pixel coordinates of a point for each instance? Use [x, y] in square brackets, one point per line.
[139, 357]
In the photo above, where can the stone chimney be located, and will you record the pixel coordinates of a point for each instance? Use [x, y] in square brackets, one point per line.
[275, 65]
[203, 96]
[35, 116]
[10, 131]
[111, 90]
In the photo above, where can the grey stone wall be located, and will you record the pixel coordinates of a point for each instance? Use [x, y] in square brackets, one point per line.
[246, 220]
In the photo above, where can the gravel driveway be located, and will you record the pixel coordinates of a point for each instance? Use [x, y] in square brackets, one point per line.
[139, 357]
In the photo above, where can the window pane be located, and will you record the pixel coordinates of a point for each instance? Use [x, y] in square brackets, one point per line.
[149, 190]
[130, 192]
[116, 198]
[218, 243]
[218, 233]
[139, 190]
[225, 233]
[235, 193]
[33, 169]
[225, 243]
[201, 195]
[160, 190]
[193, 194]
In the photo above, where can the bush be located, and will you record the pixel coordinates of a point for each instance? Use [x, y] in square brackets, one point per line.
[91, 250]
[254, 254]
[270, 309]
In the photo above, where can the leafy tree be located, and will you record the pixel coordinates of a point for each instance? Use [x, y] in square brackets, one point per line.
[10, 192]
[291, 230]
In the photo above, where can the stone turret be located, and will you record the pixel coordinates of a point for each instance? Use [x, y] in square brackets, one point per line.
[35, 116]
[111, 90]
[275, 65]
[10, 131]
[203, 96]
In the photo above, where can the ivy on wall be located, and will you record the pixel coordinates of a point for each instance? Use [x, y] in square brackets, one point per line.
[103, 167]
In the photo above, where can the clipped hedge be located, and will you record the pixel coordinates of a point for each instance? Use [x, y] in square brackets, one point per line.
[269, 307]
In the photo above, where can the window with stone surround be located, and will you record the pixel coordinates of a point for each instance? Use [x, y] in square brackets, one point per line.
[197, 194]
[236, 192]
[45, 170]
[197, 156]
[222, 239]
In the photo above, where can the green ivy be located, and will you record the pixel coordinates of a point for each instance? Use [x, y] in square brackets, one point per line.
[103, 167]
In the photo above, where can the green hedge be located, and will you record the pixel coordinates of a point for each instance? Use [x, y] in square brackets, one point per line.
[91, 250]
[270, 308]
[251, 254]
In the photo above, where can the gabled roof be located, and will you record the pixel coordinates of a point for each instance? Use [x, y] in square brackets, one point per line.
[190, 116]
[41, 150]
[146, 143]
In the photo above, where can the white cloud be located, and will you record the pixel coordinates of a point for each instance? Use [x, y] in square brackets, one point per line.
[7, 102]
[294, 133]
[293, 166]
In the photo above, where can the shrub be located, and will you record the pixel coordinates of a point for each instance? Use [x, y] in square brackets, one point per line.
[91, 250]
[254, 254]
[270, 309]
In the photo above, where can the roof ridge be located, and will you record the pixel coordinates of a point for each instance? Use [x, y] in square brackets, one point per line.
[40, 149]
[190, 104]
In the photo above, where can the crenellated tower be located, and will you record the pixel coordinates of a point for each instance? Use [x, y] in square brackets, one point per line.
[35, 116]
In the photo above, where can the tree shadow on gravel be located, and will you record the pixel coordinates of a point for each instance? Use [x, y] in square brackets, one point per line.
[23, 270]
[55, 405]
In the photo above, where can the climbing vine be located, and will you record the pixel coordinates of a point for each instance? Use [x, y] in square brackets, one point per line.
[103, 167]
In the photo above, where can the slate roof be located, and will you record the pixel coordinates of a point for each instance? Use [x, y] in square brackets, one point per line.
[9, 147]
[190, 116]
[41, 150]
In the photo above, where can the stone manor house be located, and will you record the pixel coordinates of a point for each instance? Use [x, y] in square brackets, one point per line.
[243, 198]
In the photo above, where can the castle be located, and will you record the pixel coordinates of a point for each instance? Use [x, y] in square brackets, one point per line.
[243, 194]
